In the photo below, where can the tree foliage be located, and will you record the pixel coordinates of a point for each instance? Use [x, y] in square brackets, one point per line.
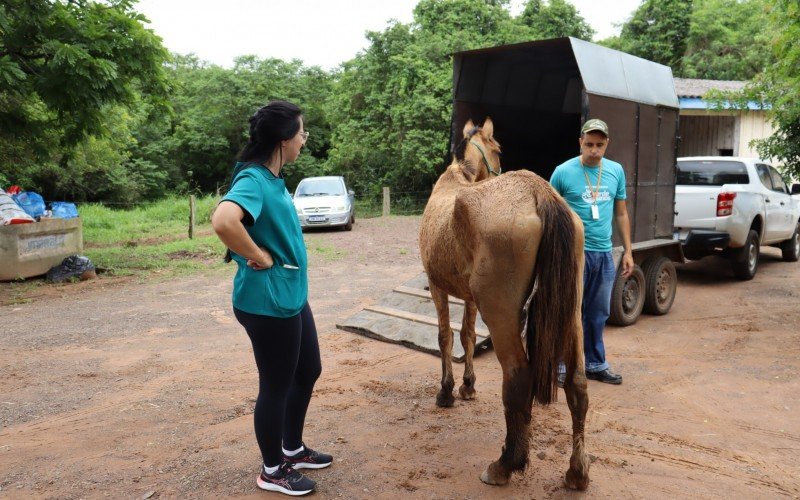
[199, 144]
[708, 39]
[391, 106]
[92, 107]
[555, 19]
[69, 71]
[658, 30]
[780, 83]
[61, 63]
[728, 40]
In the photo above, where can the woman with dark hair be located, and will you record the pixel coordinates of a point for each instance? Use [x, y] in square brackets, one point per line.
[256, 220]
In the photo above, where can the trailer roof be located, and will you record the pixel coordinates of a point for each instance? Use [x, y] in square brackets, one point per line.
[603, 71]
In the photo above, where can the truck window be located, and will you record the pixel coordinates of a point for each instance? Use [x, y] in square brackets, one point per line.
[712, 173]
[777, 181]
[763, 175]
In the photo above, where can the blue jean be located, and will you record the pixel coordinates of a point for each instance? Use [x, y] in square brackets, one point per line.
[599, 275]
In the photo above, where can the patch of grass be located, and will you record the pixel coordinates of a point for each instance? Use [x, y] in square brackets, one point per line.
[183, 256]
[18, 292]
[152, 237]
[368, 208]
[328, 252]
[408, 204]
[167, 218]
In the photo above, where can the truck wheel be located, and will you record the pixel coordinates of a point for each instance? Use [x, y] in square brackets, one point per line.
[745, 264]
[627, 298]
[791, 247]
[661, 281]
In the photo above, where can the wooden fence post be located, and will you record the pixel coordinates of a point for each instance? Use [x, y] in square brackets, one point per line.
[191, 216]
[386, 201]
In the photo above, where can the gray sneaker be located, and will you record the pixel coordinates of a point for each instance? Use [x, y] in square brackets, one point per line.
[285, 480]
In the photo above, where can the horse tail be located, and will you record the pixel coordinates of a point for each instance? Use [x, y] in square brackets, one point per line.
[553, 308]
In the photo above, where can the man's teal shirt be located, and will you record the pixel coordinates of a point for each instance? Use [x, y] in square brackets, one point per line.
[570, 182]
[282, 290]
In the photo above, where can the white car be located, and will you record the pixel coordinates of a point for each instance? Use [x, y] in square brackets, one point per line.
[732, 206]
[325, 202]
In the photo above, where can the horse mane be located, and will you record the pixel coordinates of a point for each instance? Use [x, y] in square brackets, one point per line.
[461, 147]
[469, 169]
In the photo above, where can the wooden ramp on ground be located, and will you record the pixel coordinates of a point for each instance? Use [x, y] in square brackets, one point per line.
[407, 316]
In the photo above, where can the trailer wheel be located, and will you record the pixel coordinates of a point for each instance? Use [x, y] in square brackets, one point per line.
[661, 282]
[627, 298]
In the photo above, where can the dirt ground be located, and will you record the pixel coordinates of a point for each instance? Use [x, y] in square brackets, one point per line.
[124, 388]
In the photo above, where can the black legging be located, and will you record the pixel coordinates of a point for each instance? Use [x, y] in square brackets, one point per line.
[288, 360]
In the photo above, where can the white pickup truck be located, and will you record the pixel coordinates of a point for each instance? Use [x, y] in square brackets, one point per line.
[730, 206]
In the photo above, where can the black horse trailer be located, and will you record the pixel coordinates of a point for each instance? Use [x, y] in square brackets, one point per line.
[540, 93]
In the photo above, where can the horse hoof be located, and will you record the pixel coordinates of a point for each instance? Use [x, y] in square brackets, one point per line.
[495, 475]
[466, 392]
[445, 400]
[576, 480]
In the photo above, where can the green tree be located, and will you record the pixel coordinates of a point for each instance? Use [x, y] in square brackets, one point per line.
[658, 30]
[391, 105]
[555, 19]
[62, 62]
[728, 40]
[780, 83]
[197, 145]
[99, 167]
[70, 72]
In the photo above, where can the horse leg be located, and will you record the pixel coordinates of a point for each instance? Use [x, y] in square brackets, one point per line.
[467, 389]
[445, 397]
[577, 476]
[517, 396]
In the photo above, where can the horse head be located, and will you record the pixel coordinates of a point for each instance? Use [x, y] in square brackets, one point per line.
[481, 151]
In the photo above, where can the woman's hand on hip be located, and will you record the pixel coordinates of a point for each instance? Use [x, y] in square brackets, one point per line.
[263, 262]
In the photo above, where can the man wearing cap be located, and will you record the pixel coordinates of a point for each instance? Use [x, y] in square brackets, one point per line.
[594, 187]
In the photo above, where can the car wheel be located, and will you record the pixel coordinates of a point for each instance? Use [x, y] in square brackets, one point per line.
[627, 298]
[349, 225]
[791, 247]
[745, 264]
[661, 282]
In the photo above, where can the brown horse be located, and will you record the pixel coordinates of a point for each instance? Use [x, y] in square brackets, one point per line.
[495, 242]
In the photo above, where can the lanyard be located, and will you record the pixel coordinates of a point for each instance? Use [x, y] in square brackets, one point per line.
[589, 183]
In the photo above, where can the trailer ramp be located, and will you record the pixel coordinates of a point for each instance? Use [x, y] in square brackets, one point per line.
[407, 316]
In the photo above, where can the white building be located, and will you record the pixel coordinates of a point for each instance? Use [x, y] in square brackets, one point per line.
[707, 131]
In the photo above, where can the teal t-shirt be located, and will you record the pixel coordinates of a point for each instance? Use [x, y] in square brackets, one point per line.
[570, 182]
[282, 290]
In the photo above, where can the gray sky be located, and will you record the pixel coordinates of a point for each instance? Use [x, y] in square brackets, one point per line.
[319, 32]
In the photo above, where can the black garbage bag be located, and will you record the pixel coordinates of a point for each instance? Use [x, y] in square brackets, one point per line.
[74, 265]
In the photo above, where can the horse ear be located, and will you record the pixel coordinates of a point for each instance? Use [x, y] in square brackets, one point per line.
[488, 127]
[468, 127]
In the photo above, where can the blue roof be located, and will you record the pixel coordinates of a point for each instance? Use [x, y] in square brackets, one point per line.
[700, 103]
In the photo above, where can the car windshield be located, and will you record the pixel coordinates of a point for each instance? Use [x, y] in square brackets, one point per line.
[711, 173]
[320, 187]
